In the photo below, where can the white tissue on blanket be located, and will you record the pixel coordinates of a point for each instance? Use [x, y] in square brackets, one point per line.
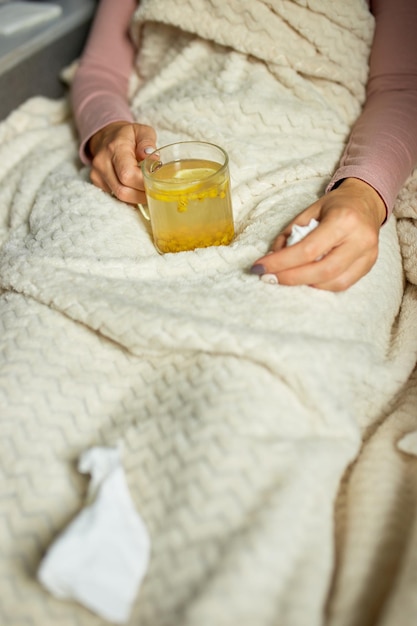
[102, 556]
[299, 232]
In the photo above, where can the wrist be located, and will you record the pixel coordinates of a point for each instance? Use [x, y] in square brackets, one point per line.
[369, 195]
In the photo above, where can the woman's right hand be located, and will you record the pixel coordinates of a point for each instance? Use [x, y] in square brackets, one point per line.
[116, 150]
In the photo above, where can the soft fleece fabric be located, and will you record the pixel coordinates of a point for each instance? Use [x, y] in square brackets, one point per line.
[259, 423]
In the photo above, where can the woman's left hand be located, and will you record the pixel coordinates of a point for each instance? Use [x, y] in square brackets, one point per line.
[345, 242]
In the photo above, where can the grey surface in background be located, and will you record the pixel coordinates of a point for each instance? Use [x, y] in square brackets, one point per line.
[31, 61]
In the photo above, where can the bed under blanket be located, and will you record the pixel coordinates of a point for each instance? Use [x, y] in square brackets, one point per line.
[269, 433]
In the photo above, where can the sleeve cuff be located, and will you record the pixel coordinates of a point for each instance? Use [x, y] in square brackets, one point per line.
[367, 177]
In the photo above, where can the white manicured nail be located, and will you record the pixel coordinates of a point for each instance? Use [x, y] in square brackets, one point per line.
[271, 279]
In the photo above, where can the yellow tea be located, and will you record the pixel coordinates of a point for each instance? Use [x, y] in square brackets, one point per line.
[189, 204]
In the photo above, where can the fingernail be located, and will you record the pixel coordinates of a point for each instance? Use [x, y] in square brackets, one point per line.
[271, 279]
[149, 150]
[257, 269]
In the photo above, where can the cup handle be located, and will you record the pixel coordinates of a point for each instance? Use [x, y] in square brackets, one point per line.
[145, 212]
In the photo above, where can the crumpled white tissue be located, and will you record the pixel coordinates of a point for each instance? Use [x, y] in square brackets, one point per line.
[102, 556]
[299, 232]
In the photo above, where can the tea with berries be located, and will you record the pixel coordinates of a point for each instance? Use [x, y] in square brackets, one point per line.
[189, 203]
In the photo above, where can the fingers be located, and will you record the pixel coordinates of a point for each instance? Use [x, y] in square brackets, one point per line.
[146, 142]
[333, 256]
[305, 253]
[113, 187]
[124, 176]
[280, 242]
[336, 271]
[115, 167]
[346, 279]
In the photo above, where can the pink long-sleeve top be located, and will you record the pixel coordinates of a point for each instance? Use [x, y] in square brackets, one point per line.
[382, 149]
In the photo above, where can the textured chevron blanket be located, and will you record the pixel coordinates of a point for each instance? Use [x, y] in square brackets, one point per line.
[267, 430]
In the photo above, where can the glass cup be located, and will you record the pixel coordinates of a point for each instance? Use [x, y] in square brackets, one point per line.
[187, 187]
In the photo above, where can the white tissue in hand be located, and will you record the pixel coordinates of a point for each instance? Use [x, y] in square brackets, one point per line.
[102, 556]
[299, 232]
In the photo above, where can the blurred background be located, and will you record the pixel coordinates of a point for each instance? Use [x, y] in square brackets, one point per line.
[37, 41]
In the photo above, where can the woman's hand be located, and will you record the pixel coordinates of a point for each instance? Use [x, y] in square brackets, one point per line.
[116, 150]
[345, 242]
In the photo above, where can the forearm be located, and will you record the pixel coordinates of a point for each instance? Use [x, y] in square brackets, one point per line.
[97, 103]
[100, 86]
[382, 149]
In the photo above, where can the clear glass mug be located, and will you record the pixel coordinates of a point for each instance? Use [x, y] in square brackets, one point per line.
[187, 187]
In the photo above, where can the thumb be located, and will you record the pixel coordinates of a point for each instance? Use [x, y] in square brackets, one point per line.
[145, 141]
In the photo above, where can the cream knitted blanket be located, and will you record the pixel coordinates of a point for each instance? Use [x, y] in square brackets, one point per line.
[260, 422]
